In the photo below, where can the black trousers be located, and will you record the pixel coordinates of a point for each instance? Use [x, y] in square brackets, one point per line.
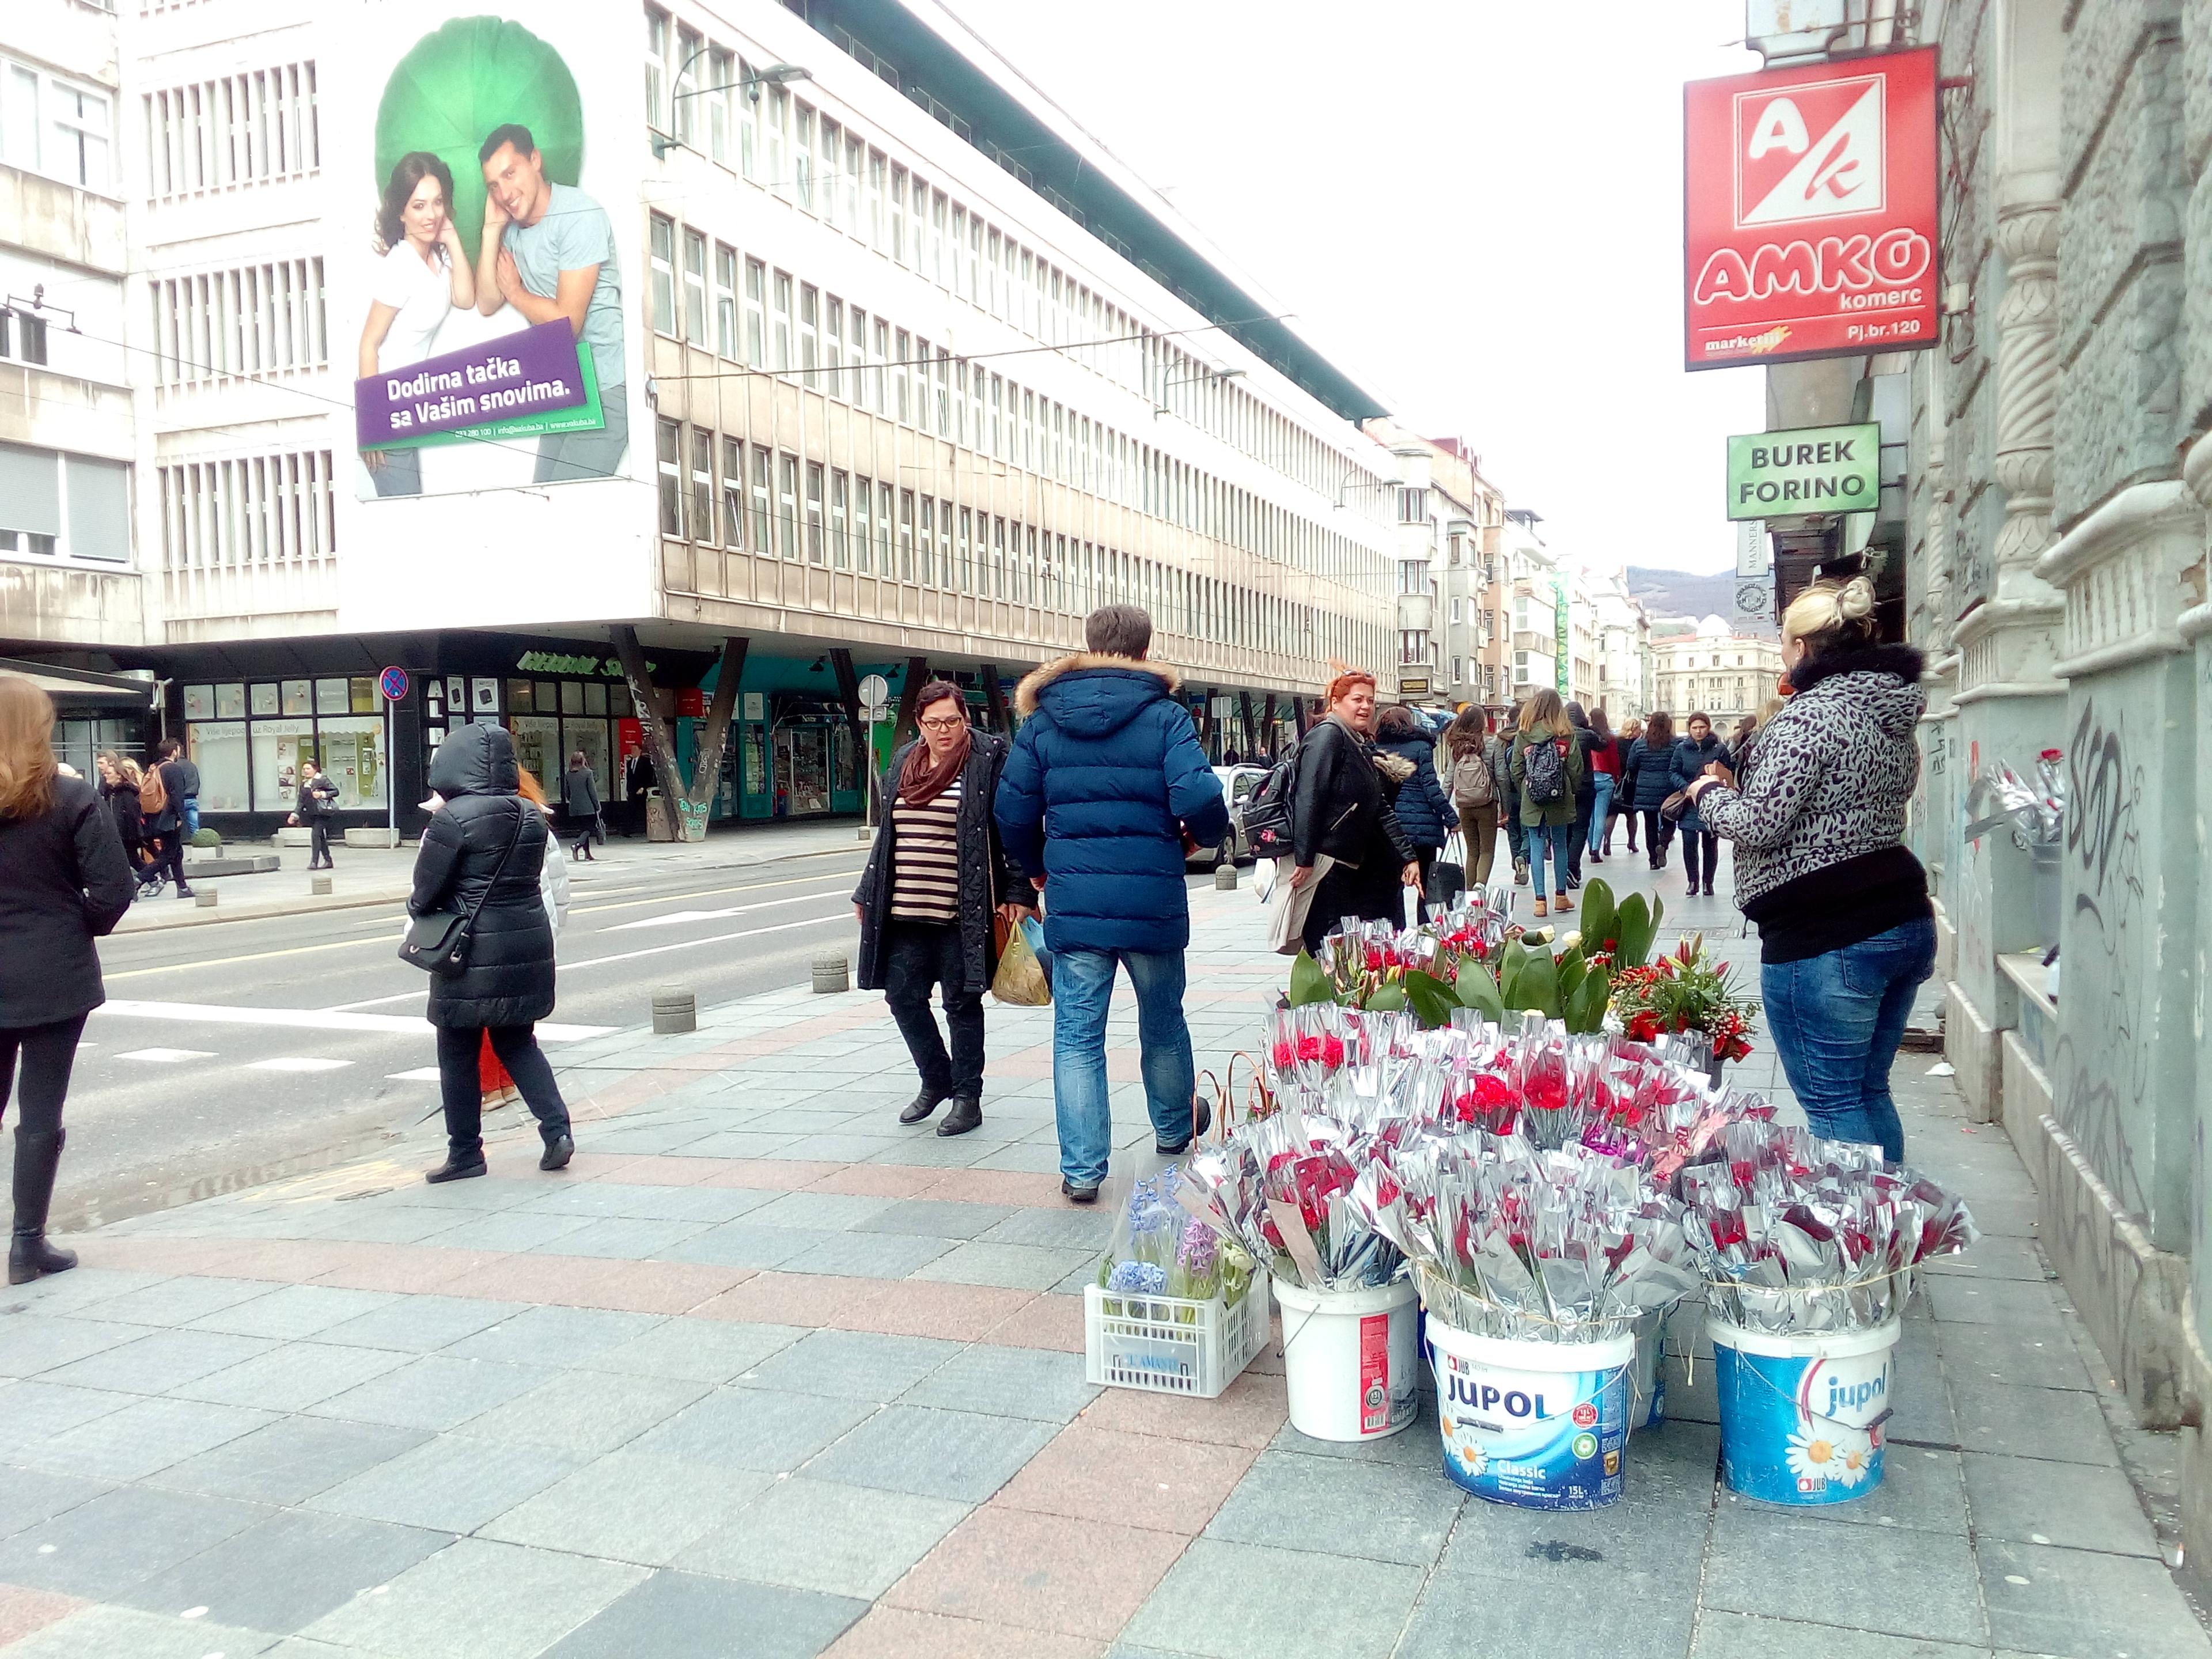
[1695, 842]
[48, 1052]
[1585, 810]
[460, 1082]
[319, 844]
[169, 857]
[918, 955]
[1657, 835]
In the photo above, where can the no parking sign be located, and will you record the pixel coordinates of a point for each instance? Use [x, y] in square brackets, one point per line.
[393, 684]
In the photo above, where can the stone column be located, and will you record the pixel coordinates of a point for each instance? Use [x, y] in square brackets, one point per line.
[2010, 703]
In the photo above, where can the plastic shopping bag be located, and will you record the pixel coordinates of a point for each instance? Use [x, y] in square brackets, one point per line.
[1023, 979]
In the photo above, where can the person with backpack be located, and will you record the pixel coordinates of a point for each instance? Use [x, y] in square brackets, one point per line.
[317, 799]
[1647, 779]
[1470, 753]
[1548, 763]
[158, 805]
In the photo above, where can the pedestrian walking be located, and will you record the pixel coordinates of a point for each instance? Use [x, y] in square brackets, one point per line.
[580, 794]
[1647, 779]
[482, 857]
[1106, 779]
[936, 876]
[1846, 933]
[1472, 753]
[316, 800]
[1516, 838]
[162, 805]
[1585, 793]
[1700, 846]
[1605, 777]
[1424, 812]
[1548, 763]
[1624, 809]
[180, 776]
[1346, 838]
[67, 884]
[119, 787]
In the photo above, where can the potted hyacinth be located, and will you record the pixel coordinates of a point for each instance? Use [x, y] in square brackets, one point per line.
[1686, 991]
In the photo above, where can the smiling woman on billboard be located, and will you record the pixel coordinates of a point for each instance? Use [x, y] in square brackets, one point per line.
[494, 321]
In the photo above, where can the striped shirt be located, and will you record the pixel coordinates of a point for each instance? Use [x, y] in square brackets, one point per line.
[926, 857]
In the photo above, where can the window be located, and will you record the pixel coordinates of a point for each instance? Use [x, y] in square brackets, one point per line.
[883, 528]
[863, 524]
[22, 335]
[944, 540]
[663, 274]
[763, 513]
[685, 113]
[249, 320]
[702, 484]
[856, 155]
[756, 284]
[669, 439]
[721, 71]
[261, 509]
[810, 318]
[833, 151]
[833, 346]
[787, 505]
[747, 101]
[873, 216]
[77, 136]
[906, 535]
[734, 493]
[780, 359]
[695, 287]
[898, 214]
[900, 369]
[880, 383]
[928, 522]
[255, 127]
[814, 548]
[656, 69]
[802, 159]
[964, 555]
[726, 300]
[776, 112]
[841, 491]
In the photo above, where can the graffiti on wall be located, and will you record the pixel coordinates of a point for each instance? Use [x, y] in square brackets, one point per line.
[2103, 1061]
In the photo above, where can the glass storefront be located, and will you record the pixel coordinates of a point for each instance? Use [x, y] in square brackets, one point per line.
[247, 738]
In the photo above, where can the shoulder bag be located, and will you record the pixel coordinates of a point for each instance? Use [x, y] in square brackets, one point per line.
[437, 941]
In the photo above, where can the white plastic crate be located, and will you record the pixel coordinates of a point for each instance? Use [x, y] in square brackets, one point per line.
[1171, 1345]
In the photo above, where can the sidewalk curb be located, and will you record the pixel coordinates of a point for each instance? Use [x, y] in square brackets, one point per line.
[269, 910]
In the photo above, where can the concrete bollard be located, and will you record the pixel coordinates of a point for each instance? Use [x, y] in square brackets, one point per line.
[829, 975]
[318, 886]
[675, 1011]
[203, 897]
[1225, 876]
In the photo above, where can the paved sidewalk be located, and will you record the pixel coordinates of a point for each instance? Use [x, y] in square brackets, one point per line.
[764, 1374]
[377, 875]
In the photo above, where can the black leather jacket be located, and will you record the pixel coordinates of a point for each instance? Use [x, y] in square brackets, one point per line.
[1340, 806]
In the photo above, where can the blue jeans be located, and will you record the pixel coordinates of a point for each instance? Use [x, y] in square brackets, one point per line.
[1561, 838]
[1082, 988]
[1602, 813]
[190, 812]
[1837, 1020]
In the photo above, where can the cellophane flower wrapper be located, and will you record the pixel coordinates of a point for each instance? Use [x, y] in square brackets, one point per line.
[1797, 1234]
[1158, 1249]
[1279, 1188]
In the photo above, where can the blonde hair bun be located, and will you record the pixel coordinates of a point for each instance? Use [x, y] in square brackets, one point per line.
[1827, 607]
[1856, 602]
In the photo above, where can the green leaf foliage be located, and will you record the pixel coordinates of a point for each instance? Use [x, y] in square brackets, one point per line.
[1387, 1000]
[1309, 984]
[1571, 968]
[1537, 985]
[1600, 915]
[1432, 998]
[1585, 1009]
[1478, 990]
[1636, 927]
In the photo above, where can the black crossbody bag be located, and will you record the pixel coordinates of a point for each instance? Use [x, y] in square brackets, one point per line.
[437, 942]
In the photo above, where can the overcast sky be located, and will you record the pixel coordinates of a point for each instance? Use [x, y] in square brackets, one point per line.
[1476, 204]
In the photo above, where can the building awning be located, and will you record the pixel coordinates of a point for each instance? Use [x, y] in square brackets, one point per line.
[79, 687]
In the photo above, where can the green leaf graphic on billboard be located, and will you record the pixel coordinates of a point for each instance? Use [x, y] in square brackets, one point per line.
[456, 85]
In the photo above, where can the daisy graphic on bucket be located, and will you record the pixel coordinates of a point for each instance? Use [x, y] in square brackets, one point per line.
[1803, 1415]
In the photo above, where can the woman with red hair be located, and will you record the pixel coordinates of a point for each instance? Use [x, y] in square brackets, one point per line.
[1343, 834]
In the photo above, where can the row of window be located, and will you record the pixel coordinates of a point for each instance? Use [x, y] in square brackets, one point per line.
[22, 335]
[244, 510]
[57, 505]
[741, 309]
[55, 126]
[254, 127]
[831, 172]
[772, 503]
[252, 319]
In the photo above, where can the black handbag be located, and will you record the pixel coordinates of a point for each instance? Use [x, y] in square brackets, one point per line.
[1448, 877]
[437, 941]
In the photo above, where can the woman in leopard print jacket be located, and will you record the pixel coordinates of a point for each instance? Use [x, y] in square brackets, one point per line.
[1846, 933]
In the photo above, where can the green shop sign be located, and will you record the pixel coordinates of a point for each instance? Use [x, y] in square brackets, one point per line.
[1559, 635]
[1815, 469]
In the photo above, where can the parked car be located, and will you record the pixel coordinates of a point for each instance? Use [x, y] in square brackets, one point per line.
[1237, 782]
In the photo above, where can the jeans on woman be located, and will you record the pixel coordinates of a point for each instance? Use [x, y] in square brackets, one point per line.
[918, 955]
[1082, 990]
[460, 1084]
[1559, 838]
[1600, 822]
[1837, 1020]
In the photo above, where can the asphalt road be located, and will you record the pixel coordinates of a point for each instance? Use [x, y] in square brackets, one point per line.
[229, 1053]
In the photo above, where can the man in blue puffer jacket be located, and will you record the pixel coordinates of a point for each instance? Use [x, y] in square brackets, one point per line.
[1106, 778]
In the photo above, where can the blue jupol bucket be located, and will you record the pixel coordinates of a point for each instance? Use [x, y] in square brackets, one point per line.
[1801, 1416]
[1541, 1424]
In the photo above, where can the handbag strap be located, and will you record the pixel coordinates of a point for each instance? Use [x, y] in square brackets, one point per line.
[499, 869]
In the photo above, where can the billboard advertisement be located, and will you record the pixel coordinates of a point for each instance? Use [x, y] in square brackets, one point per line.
[1810, 211]
[488, 313]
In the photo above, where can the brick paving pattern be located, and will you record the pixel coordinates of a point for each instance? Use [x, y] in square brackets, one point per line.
[764, 1374]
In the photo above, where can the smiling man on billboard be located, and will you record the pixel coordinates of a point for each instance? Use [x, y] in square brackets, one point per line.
[548, 250]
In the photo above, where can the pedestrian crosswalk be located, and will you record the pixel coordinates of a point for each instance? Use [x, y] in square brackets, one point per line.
[297, 1063]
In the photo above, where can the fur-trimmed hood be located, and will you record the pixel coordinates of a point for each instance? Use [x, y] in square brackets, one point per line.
[1885, 677]
[1092, 693]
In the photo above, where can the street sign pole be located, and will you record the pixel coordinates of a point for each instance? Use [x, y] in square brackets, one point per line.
[392, 685]
[874, 692]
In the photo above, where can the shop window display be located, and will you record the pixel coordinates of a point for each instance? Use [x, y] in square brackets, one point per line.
[218, 748]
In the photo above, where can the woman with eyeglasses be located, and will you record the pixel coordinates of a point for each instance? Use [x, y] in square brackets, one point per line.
[935, 876]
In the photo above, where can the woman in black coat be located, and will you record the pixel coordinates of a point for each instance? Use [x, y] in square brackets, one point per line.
[66, 884]
[119, 787]
[915, 934]
[1647, 779]
[1701, 847]
[1342, 810]
[1424, 812]
[481, 854]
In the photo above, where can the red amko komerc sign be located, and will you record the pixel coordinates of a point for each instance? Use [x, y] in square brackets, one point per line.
[1810, 211]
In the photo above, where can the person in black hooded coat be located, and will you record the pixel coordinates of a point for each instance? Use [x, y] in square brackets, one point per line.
[481, 854]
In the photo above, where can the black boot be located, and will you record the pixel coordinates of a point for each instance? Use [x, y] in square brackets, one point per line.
[457, 1166]
[560, 1147]
[967, 1114]
[924, 1103]
[29, 1255]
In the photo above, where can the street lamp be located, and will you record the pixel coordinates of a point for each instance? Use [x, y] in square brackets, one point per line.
[775, 75]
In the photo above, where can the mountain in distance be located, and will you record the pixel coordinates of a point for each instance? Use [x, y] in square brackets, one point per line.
[1686, 593]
